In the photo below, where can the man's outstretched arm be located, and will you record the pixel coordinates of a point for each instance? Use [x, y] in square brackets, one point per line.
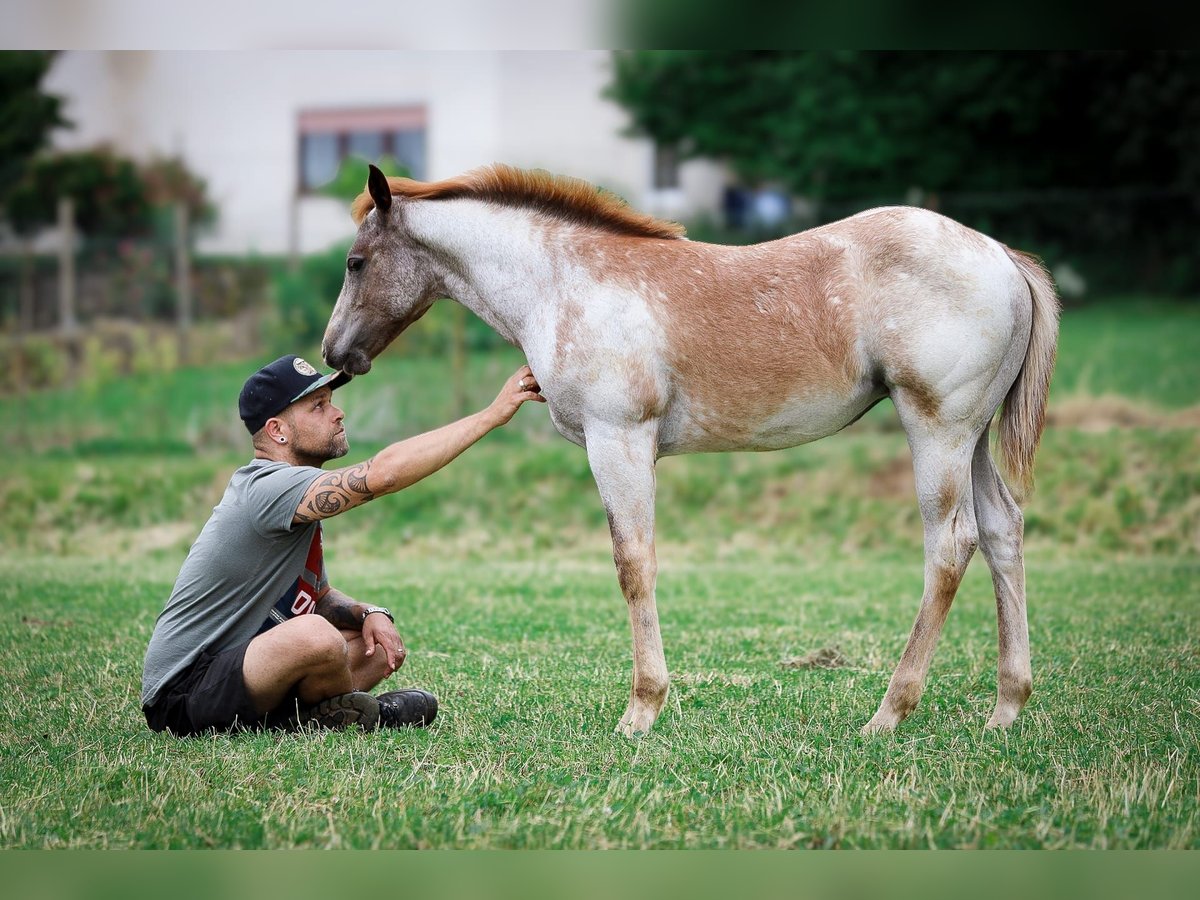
[406, 462]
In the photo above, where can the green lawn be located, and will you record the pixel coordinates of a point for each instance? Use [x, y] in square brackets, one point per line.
[531, 662]
[500, 571]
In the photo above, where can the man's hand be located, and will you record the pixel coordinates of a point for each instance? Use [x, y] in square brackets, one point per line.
[379, 633]
[521, 387]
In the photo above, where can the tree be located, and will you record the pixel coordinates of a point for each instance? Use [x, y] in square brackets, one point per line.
[27, 116]
[110, 197]
[1087, 156]
[843, 124]
[114, 196]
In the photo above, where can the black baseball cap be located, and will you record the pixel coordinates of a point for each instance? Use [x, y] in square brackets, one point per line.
[275, 387]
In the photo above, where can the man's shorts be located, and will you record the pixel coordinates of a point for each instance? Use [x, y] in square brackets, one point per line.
[210, 695]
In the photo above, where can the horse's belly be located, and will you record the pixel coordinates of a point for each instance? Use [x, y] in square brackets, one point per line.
[689, 429]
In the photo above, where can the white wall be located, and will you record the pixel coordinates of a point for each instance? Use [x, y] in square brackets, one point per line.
[232, 116]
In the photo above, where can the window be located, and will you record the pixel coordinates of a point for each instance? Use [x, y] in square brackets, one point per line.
[327, 137]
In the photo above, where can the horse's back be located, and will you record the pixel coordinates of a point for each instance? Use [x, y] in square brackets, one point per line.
[785, 342]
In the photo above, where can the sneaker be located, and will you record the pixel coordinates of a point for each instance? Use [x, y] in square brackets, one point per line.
[412, 707]
[356, 708]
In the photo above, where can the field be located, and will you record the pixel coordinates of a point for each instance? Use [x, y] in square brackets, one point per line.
[500, 570]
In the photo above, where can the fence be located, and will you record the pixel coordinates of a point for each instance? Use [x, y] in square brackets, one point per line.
[119, 296]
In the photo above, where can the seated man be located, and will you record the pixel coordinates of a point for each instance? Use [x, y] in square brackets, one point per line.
[238, 644]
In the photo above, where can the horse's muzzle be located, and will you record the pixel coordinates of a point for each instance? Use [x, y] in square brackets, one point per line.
[353, 361]
[357, 362]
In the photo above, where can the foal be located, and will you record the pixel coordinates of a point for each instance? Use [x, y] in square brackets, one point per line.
[646, 345]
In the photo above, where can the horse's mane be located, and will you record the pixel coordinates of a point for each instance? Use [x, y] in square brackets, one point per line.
[569, 199]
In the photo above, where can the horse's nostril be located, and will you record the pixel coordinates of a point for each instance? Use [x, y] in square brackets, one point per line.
[356, 363]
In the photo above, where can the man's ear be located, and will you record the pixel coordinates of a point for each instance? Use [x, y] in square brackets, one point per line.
[380, 190]
[274, 427]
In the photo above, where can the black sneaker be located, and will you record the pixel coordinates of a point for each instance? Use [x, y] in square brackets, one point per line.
[402, 709]
[356, 708]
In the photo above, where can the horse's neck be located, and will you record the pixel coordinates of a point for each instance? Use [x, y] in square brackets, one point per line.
[495, 263]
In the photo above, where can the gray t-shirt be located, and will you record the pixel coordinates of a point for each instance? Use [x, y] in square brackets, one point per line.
[248, 570]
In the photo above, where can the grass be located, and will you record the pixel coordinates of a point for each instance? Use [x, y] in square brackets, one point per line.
[500, 570]
[1137, 348]
[531, 662]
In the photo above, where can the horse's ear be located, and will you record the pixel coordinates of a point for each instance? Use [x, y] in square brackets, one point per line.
[381, 191]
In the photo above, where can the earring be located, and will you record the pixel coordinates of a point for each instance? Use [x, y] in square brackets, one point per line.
[283, 440]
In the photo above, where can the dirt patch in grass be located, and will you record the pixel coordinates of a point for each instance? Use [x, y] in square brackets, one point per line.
[822, 658]
[1098, 414]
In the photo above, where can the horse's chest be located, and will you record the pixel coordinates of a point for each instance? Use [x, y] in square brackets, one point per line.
[568, 419]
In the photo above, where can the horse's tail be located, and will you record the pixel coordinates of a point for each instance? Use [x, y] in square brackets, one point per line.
[1024, 414]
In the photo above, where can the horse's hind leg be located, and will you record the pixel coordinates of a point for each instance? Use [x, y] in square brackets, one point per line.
[942, 464]
[1001, 534]
[622, 462]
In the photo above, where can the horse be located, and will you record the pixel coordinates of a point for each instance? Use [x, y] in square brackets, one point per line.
[647, 344]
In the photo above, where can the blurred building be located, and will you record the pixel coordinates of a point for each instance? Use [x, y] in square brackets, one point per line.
[265, 129]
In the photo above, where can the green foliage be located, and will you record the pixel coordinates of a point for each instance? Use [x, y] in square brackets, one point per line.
[1087, 156]
[39, 360]
[110, 198]
[351, 178]
[168, 181]
[27, 116]
[304, 297]
[114, 197]
[846, 124]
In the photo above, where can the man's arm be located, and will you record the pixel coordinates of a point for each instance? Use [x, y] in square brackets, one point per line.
[407, 462]
[346, 613]
[342, 611]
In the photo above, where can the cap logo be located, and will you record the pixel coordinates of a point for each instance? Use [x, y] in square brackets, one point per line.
[303, 367]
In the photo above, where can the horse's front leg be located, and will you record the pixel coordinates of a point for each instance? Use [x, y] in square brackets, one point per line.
[622, 461]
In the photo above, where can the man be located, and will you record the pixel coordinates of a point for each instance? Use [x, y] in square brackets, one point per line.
[253, 635]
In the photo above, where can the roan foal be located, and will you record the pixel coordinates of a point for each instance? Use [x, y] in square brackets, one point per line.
[646, 345]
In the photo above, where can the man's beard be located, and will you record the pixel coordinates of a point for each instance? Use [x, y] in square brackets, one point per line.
[338, 447]
[335, 448]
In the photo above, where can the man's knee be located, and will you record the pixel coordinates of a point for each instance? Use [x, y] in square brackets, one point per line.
[315, 640]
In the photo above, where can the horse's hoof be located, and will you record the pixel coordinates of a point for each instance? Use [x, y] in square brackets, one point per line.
[878, 725]
[635, 723]
[1002, 717]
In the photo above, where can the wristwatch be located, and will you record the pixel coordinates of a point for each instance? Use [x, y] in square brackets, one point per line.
[379, 609]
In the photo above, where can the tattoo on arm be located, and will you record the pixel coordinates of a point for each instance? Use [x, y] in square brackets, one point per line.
[334, 493]
[339, 610]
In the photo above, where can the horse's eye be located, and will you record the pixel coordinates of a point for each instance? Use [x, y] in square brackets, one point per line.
[354, 263]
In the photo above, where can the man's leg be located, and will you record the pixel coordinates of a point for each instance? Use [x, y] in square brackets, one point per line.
[305, 654]
[367, 671]
[397, 709]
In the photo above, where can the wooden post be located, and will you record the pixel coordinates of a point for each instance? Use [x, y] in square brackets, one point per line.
[26, 291]
[183, 278]
[293, 258]
[66, 266]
